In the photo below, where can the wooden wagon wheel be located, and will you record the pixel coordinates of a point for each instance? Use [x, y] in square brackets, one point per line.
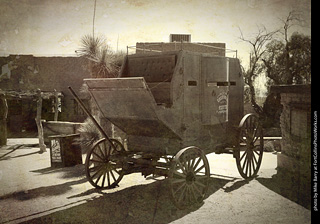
[249, 149]
[101, 171]
[189, 177]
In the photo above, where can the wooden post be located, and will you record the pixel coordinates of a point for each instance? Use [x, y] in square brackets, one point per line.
[38, 122]
[56, 105]
[3, 120]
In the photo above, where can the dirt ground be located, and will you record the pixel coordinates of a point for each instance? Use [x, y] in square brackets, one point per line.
[37, 193]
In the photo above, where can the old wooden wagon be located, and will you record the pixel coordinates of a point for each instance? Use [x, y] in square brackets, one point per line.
[175, 108]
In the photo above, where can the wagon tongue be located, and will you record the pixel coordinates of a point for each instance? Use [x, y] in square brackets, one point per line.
[129, 104]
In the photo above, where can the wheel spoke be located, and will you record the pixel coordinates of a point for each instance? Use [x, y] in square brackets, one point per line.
[103, 179]
[176, 181]
[109, 152]
[257, 152]
[249, 164]
[196, 188]
[190, 194]
[246, 164]
[200, 184]
[179, 174]
[193, 193]
[102, 173]
[179, 188]
[182, 168]
[197, 163]
[97, 155]
[96, 161]
[99, 170]
[119, 173]
[182, 195]
[188, 165]
[196, 171]
[244, 153]
[101, 151]
[253, 164]
[113, 177]
[108, 178]
[254, 135]
[245, 160]
[201, 177]
[254, 158]
[95, 168]
[192, 164]
[187, 195]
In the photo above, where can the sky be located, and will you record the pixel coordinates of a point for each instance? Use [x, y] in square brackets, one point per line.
[55, 27]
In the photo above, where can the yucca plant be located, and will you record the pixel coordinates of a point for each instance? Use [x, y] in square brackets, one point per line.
[100, 56]
[90, 46]
[103, 63]
[89, 134]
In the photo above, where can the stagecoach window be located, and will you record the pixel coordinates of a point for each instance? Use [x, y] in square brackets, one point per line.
[226, 83]
[221, 83]
[192, 83]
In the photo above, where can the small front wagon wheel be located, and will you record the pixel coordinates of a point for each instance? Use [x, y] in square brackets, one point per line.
[103, 170]
[189, 177]
[249, 149]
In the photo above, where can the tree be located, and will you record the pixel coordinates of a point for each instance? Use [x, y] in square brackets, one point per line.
[255, 69]
[290, 62]
[286, 61]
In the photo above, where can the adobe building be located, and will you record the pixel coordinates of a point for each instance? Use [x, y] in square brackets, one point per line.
[22, 75]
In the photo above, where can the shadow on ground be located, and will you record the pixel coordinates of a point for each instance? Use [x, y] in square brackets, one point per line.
[76, 172]
[290, 188]
[53, 190]
[141, 204]
[66, 172]
[10, 149]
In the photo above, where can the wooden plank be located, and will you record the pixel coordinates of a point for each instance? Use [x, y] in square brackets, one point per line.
[132, 108]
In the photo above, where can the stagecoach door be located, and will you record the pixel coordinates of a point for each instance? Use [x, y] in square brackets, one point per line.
[215, 87]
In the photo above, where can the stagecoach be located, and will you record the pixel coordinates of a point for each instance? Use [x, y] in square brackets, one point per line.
[175, 107]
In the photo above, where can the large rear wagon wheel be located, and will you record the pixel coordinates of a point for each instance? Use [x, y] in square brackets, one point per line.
[102, 171]
[189, 177]
[249, 149]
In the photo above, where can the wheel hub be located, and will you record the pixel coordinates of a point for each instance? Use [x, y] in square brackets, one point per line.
[190, 178]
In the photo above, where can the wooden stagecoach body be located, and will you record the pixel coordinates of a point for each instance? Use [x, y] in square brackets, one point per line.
[175, 108]
[168, 101]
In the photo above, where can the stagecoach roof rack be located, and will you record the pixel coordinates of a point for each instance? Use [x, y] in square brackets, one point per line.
[146, 47]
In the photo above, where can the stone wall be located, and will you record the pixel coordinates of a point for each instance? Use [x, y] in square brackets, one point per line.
[295, 125]
[294, 161]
